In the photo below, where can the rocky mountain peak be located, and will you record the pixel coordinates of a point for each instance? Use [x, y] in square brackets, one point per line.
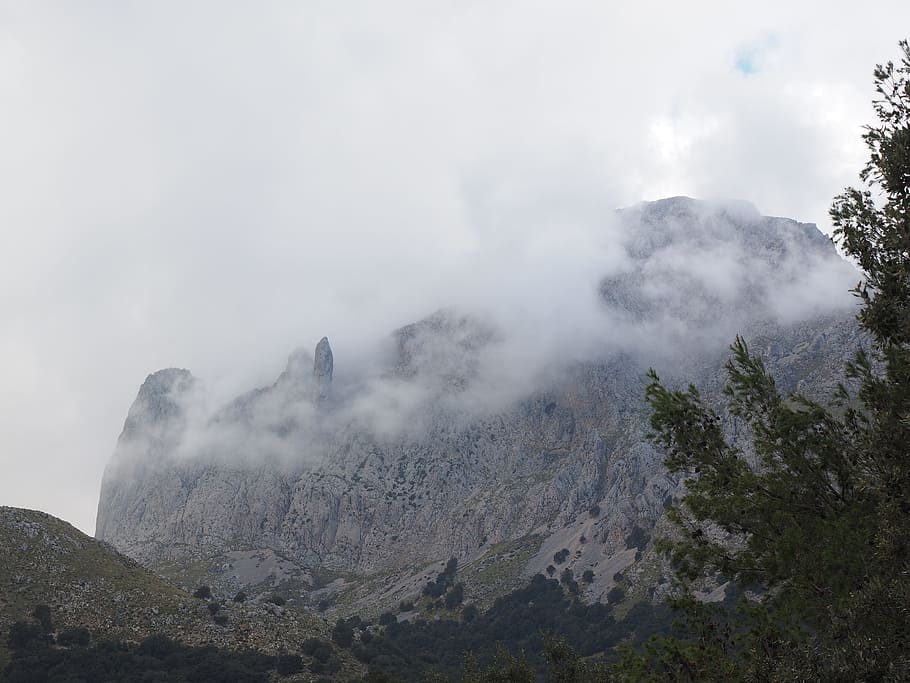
[158, 401]
[350, 490]
[651, 227]
[323, 365]
[442, 349]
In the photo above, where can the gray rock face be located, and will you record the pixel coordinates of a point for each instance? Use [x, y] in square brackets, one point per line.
[151, 435]
[323, 365]
[350, 488]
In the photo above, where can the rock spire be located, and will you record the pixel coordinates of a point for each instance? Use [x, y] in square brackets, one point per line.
[323, 365]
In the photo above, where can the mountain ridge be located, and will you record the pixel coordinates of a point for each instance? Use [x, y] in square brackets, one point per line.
[414, 468]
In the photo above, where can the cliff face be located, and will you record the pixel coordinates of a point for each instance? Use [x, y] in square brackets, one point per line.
[414, 464]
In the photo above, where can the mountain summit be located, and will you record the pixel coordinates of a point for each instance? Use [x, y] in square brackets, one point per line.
[431, 456]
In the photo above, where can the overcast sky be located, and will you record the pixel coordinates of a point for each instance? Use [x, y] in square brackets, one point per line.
[211, 184]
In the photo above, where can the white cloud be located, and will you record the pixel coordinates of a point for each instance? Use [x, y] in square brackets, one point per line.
[211, 184]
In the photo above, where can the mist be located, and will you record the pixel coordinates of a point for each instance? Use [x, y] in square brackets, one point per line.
[212, 186]
[665, 284]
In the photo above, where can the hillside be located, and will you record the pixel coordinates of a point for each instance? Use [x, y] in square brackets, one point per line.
[90, 585]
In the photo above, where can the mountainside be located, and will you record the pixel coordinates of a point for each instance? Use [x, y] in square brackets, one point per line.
[89, 585]
[440, 451]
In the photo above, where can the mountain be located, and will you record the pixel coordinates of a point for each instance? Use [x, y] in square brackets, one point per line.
[89, 585]
[459, 442]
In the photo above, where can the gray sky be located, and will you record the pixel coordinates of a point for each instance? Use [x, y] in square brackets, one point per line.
[211, 184]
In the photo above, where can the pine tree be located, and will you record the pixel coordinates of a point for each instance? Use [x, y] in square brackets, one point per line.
[822, 525]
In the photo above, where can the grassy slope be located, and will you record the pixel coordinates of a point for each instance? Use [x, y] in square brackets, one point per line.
[44, 560]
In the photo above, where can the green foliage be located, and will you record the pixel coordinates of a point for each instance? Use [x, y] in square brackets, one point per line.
[317, 648]
[507, 668]
[517, 622]
[42, 614]
[821, 522]
[563, 665]
[437, 588]
[455, 596]
[615, 595]
[203, 593]
[800, 522]
[638, 538]
[343, 633]
[24, 635]
[702, 651]
[154, 659]
[74, 637]
[287, 665]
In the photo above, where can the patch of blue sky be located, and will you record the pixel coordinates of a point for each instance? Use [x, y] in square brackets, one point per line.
[750, 58]
[745, 64]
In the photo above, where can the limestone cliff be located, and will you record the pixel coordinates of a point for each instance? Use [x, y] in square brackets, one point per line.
[416, 464]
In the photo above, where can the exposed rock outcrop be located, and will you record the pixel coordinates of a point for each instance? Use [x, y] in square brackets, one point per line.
[323, 366]
[408, 469]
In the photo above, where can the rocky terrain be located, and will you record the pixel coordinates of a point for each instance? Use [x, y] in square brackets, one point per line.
[87, 584]
[357, 494]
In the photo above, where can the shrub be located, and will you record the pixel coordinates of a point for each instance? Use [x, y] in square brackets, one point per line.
[615, 595]
[220, 619]
[330, 666]
[213, 607]
[26, 636]
[276, 599]
[387, 618]
[289, 664]
[561, 556]
[594, 511]
[74, 637]
[434, 589]
[42, 614]
[406, 606]
[638, 538]
[342, 634]
[240, 597]
[317, 648]
[469, 614]
[588, 576]
[455, 596]
[203, 593]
